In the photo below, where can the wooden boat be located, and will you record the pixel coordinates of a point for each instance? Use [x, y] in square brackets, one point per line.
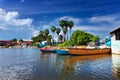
[84, 51]
[62, 52]
[47, 50]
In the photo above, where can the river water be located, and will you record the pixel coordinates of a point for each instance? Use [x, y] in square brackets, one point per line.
[31, 64]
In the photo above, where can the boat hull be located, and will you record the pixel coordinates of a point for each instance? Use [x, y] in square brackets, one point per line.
[78, 51]
[47, 50]
[62, 52]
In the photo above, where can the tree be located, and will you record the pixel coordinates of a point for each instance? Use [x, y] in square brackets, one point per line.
[14, 40]
[41, 32]
[82, 38]
[53, 29]
[66, 24]
[49, 39]
[46, 32]
[70, 26]
[62, 23]
[64, 31]
[20, 40]
[60, 38]
[58, 32]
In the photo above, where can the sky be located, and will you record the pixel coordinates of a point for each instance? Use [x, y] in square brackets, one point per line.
[23, 19]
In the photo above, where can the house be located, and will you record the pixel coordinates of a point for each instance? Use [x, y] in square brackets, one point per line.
[13, 43]
[7, 43]
[115, 40]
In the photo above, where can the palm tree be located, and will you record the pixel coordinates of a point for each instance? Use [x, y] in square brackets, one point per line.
[64, 31]
[62, 23]
[60, 38]
[49, 39]
[41, 32]
[14, 40]
[42, 35]
[58, 32]
[53, 29]
[46, 32]
[70, 26]
[20, 41]
[66, 24]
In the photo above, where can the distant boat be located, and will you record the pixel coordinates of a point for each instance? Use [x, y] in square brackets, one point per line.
[62, 52]
[47, 50]
[79, 51]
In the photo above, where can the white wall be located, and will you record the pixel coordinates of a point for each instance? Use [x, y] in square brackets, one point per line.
[115, 45]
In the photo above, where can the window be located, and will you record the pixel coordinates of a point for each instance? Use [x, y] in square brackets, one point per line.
[118, 36]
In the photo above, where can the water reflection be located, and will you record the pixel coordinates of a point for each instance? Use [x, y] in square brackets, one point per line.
[116, 65]
[87, 63]
[31, 64]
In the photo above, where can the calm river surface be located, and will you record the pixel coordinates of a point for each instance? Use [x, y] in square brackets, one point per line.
[31, 64]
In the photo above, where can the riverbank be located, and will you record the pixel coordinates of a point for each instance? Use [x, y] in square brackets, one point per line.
[18, 47]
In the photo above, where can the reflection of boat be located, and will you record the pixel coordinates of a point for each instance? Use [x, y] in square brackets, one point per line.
[47, 50]
[74, 59]
[79, 51]
[62, 52]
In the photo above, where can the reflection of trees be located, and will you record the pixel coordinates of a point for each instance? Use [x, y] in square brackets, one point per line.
[64, 66]
[116, 65]
[67, 68]
[49, 59]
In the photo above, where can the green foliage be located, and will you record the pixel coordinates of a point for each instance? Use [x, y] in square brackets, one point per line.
[82, 38]
[94, 38]
[68, 43]
[35, 44]
[70, 24]
[46, 32]
[61, 23]
[41, 37]
[14, 39]
[65, 24]
[20, 40]
[57, 31]
[65, 44]
[60, 45]
[60, 38]
[53, 29]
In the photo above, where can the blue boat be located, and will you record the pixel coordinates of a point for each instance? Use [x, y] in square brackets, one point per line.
[62, 52]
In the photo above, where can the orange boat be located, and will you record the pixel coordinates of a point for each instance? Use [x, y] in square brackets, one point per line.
[84, 51]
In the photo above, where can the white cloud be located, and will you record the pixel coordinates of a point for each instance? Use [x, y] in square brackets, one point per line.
[91, 28]
[21, 1]
[108, 19]
[45, 27]
[9, 21]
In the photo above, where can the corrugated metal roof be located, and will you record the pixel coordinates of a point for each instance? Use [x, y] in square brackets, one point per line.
[114, 30]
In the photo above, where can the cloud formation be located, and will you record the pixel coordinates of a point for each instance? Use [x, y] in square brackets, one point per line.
[21, 1]
[10, 22]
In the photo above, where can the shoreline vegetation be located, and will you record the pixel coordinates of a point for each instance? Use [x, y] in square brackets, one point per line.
[76, 38]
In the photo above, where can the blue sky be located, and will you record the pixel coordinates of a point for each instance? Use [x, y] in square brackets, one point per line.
[25, 18]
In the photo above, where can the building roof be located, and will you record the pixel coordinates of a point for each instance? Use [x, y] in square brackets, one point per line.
[115, 30]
